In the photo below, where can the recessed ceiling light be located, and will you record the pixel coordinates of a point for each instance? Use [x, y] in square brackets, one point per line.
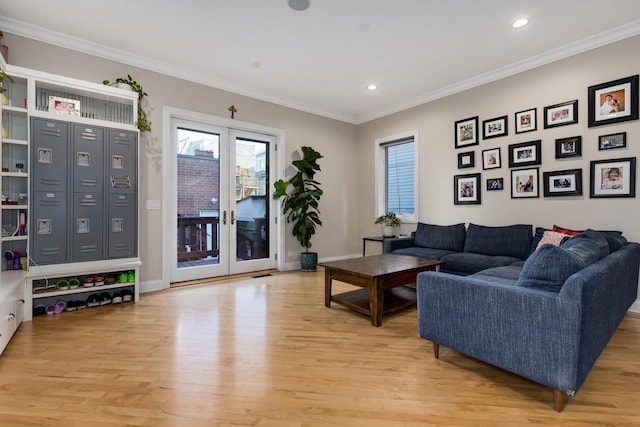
[299, 4]
[372, 87]
[520, 23]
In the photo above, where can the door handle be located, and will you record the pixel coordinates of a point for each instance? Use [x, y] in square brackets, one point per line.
[233, 217]
[224, 218]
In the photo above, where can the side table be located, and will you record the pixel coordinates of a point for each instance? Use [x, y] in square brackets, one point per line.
[371, 239]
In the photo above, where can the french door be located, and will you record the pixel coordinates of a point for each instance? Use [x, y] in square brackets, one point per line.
[222, 201]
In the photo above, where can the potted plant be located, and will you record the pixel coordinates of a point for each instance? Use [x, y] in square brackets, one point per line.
[143, 123]
[4, 76]
[4, 49]
[389, 222]
[300, 196]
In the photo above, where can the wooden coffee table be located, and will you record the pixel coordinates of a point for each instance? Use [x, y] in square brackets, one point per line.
[382, 278]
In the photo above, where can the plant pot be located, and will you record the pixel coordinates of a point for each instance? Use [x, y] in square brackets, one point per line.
[387, 231]
[4, 51]
[124, 86]
[309, 261]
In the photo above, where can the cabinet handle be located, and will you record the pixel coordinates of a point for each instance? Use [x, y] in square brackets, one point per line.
[224, 218]
[11, 316]
[233, 217]
[22, 301]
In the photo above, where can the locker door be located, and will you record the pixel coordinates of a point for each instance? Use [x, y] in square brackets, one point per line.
[122, 225]
[87, 236]
[122, 161]
[88, 159]
[48, 232]
[49, 155]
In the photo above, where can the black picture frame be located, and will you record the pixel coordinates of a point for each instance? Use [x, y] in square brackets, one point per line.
[613, 102]
[525, 154]
[466, 132]
[526, 120]
[491, 158]
[569, 147]
[467, 190]
[495, 184]
[466, 159]
[565, 113]
[612, 141]
[562, 183]
[602, 184]
[525, 183]
[494, 128]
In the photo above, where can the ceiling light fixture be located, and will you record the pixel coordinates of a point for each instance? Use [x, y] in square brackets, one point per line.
[299, 4]
[372, 87]
[520, 23]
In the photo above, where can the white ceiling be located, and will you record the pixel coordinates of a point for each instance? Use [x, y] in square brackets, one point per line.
[321, 60]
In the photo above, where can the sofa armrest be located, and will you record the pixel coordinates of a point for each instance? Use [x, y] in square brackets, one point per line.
[390, 245]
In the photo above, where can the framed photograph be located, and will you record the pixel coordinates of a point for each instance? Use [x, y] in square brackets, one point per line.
[467, 132]
[495, 184]
[524, 183]
[526, 120]
[562, 183]
[613, 178]
[561, 114]
[494, 128]
[491, 158]
[569, 147]
[466, 160]
[466, 189]
[613, 102]
[614, 140]
[64, 105]
[525, 154]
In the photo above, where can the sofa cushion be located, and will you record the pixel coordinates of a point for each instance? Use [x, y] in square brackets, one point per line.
[510, 240]
[551, 237]
[566, 231]
[593, 236]
[615, 239]
[507, 274]
[430, 253]
[469, 263]
[449, 237]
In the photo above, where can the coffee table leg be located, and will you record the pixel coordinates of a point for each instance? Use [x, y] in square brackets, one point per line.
[376, 301]
[327, 287]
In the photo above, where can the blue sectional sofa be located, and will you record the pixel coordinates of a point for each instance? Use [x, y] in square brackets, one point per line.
[546, 317]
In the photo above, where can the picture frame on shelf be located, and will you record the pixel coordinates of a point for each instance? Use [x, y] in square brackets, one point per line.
[562, 114]
[526, 120]
[466, 132]
[524, 183]
[64, 105]
[525, 154]
[612, 141]
[495, 127]
[562, 183]
[466, 189]
[613, 102]
[466, 160]
[613, 178]
[491, 158]
[495, 184]
[569, 147]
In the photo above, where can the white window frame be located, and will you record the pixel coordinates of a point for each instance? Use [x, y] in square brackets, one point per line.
[380, 171]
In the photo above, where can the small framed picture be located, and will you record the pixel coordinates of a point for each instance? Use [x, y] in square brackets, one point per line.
[569, 147]
[614, 140]
[613, 102]
[491, 158]
[64, 105]
[526, 120]
[495, 184]
[466, 160]
[525, 154]
[613, 178]
[562, 183]
[466, 132]
[524, 183]
[466, 189]
[561, 114]
[494, 128]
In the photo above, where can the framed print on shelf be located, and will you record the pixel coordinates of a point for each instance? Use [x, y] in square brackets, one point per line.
[64, 105]
[495, 184]
[466, 189]
[562, 183]
[525, 154]
[466, 160]
[613, 178]
[467, 132]
[562, 114]
[524, 183]
[613, 102]
[526, 120]
[491, 158]
[614, 140]
[569, 147]
[494, 128]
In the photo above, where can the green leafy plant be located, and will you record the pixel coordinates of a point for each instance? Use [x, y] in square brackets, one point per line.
[389, 219]
[143, 123]
[301, 194]
[3, 76]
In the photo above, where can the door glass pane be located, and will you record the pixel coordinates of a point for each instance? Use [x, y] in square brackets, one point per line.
[252, 204]
[198, 197]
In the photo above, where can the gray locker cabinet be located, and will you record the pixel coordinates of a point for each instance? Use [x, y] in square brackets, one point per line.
[48, 233]
[122, 162]
[88, 158]
[49, 155]
[87, 234]
[122, 225]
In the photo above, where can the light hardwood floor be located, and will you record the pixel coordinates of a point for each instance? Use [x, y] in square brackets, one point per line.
[266, 352]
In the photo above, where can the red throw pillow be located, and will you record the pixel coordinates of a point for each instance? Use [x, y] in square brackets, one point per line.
[566, 231]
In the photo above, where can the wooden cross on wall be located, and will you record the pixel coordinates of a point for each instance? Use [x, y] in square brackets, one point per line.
[233, 110]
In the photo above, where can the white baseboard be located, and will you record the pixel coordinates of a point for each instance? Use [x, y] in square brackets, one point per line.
[635, 307]
[154, 285]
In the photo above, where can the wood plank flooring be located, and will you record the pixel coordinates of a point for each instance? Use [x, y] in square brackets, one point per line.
[266, 352]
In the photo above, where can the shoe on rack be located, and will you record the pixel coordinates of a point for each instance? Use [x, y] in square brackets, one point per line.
[98, 281]
[60, 306]
[80, 304]
[127, 295]
[117, 298]
[122, 277]
[39, 309]
[93, 300]
[87, 282]
[50, 309]
[74, 283]
[71, 306]
[62, 285]
[131, 276]
[105, 298]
